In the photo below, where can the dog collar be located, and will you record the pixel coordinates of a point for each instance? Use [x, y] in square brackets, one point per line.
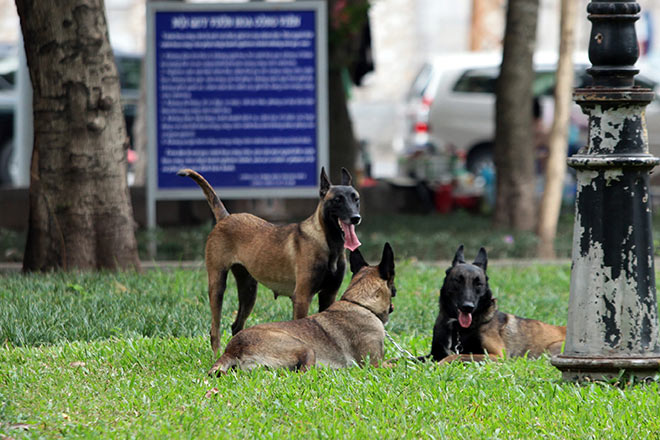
[361, 305]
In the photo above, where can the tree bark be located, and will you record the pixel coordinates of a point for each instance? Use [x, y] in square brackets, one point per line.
[514, 139]
[558, 141]
[342, 143]
[80, 210]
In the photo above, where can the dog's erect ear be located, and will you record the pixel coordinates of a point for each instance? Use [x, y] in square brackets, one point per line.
[386, 266]
[481, 260]
[357, 261]
[346, 178]
[325, 183]
[458, 258]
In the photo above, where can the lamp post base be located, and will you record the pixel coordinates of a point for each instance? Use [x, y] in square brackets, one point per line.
[593, 368]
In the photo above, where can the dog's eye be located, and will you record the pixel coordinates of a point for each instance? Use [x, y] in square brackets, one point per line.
[356, 199]
[477, 283]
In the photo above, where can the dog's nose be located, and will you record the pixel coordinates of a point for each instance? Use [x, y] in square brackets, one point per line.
[467, 307]
[355, 220]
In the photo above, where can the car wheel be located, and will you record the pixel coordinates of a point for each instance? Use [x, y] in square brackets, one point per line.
[480, 161]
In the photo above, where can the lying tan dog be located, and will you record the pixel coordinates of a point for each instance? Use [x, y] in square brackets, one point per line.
[469, 323]
[346, 333]
[295, 260]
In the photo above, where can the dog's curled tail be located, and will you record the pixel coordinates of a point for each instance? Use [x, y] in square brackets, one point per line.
[219, 210]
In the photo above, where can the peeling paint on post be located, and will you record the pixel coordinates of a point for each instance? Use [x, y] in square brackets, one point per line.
[613, 315]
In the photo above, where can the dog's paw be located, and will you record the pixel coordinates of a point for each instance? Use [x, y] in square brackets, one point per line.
[215, 371]
[451, 358]
[388, 363]
[467, 357]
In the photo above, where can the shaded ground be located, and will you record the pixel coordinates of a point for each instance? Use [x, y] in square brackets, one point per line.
[424, 237]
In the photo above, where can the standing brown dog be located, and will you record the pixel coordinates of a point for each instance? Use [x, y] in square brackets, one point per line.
[295, 260]
[344, 334]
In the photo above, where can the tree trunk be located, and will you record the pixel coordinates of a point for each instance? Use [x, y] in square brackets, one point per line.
[80, 210]
[558, 142]
[343, 45]
[343, 147]
[514, 139]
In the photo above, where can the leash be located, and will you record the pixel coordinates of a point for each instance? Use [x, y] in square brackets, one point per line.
[400, 348]
[459, 345]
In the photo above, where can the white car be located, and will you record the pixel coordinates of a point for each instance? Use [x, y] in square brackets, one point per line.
[449, 108]
[128, 65]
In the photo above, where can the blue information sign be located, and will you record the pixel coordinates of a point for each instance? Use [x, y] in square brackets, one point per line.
[236, 96]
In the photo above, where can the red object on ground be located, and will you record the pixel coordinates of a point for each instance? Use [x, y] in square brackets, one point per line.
[470, 203]
[442, 198]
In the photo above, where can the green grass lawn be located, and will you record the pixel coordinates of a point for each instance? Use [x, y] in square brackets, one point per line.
[124, 356]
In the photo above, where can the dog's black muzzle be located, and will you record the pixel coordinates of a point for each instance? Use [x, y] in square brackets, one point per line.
[466, 307]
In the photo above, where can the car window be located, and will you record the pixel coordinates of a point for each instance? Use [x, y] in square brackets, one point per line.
[477, 81]
[7, 81]
[645, 82]
[129, 71]
[421, 81]
[484, 80]
[582, 78]
[544, 83]
[8, 66]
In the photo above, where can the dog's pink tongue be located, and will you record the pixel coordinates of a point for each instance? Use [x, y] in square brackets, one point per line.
[351, 241]
[464, 319]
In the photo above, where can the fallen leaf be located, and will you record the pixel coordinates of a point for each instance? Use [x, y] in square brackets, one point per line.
[65, 416]
[212, 392]
[77, 364]
[23, 426]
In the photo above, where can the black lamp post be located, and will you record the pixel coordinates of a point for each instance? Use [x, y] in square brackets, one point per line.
[613, 315]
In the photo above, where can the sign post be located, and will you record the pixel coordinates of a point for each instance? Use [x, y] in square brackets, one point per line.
[237, 92]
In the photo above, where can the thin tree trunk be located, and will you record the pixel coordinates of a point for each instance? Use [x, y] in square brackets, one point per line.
[80, 210]
[558, 142]
[342, 142]
[343, 147]
[514, 139]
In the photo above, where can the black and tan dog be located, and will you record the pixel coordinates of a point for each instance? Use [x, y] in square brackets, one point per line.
[469, 323]
[346, 333]
[295, 260]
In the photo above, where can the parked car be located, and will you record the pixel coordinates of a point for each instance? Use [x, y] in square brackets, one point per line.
[8, 67]
[128, 64]
[449, 109]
